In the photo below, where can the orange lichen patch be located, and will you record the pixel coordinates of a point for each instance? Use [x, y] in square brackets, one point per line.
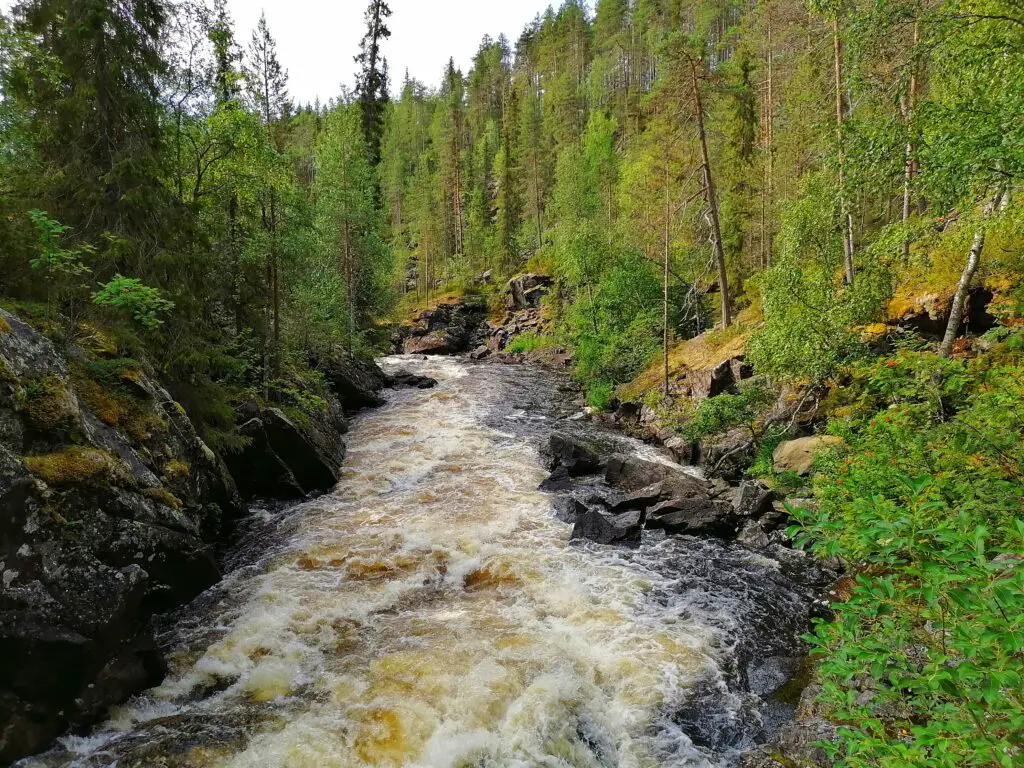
[699, 353]
[5, 327]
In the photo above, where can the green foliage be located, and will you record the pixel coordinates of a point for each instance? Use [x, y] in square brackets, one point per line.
[923, 660]
[600, 395]
[144, 303]
[723, 412]
[810, 315]
[528, 342]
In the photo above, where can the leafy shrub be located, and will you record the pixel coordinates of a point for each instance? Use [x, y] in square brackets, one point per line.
[144, 303]
[923, 664]
[599, 395]
[724, 412]
[528, 342]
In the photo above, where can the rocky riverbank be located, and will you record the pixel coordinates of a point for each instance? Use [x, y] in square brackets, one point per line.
[113, 510]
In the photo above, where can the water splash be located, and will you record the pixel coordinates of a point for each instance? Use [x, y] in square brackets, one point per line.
[432, 612]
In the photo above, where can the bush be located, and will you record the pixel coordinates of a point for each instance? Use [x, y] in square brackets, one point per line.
[724, 412]
[923, 663]
[528, 342]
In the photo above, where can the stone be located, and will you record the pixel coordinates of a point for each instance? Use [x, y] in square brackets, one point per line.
[753, 536]
[104, 521]
[606, 529]
[752, 498]
[798, 456]
[641, 499]
[557, 481]
[526, 291]
[632, 474]
[437, 343]
[568, 509]
[313, 470]
[356, 381]
[711, 382]
[481, 353]
[576, 456]
[693, 517]
[727, 455]
[406, 379]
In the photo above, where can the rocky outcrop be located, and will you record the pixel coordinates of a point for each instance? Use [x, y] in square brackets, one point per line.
[356, 382]
[526, 291]
[111, 506]
[447, 329]
[411, 380]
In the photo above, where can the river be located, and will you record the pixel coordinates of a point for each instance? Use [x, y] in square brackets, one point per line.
[433, 612]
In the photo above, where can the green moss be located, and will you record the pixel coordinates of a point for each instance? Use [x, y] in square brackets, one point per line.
[46, 403]
[98, 388]
[163, 496]
[176, 468]
[77, 465]
[5, 327]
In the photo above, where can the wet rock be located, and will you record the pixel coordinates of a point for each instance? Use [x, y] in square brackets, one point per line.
[568, 509]
[284, 461]
[481, 353]
[576, 456]
[446, 329]
[693, 517]
[357, 382]
[406, 379]
[558, 480]
[437, 343]
[797, 743]
[798, 456]
[753, 536]
[607, 529]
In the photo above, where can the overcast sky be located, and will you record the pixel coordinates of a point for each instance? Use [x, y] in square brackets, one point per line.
[317, 38]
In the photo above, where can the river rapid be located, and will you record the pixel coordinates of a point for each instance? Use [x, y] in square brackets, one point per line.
[432, 611]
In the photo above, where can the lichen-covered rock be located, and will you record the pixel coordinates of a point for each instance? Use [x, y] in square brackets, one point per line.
[110, 509]
[798, 456]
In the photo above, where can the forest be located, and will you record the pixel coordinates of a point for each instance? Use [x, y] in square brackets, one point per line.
[803, 174]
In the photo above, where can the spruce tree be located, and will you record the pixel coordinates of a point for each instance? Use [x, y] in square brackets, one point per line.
[372, 79]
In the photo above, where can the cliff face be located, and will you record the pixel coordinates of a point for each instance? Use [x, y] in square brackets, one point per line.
[109, 506]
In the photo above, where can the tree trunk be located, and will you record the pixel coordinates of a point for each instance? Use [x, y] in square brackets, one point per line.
[844, 205]
[956, 313]
[709, 195]
[276, 282]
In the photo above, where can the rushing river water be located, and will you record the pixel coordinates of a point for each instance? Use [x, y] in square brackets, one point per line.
[433, 612]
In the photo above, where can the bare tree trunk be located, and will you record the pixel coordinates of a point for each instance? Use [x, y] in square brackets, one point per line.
[956, 313]
[910, 165]
[709, 195]
[276, 360]
[844, 204]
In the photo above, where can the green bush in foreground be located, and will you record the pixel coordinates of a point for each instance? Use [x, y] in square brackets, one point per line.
[922, 666]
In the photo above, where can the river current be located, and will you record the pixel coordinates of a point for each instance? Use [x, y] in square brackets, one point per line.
[432, 611]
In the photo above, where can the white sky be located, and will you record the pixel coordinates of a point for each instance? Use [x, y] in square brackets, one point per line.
[317, 39]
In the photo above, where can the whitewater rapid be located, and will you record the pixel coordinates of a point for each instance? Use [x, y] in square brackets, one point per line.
[432, 611]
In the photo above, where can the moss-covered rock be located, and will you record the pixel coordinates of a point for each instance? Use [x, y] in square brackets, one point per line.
[78, 466]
